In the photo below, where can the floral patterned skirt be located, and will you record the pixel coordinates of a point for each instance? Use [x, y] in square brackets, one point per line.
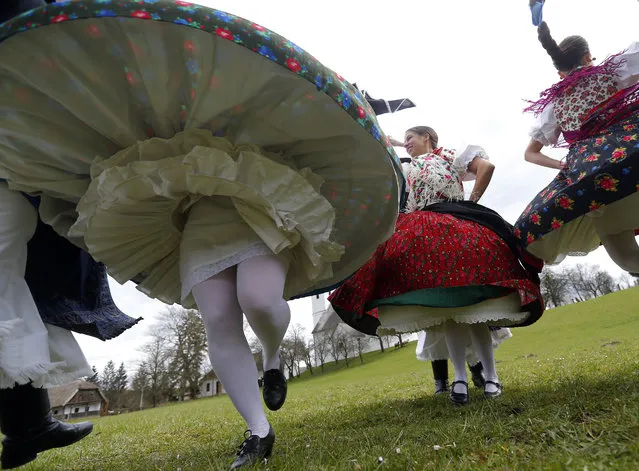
[600, 180]
[434, 268]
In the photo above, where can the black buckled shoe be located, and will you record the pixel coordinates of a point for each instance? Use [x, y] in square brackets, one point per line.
[477, 375]
[441, 386]
[459, 399]
[254, 449]
[274, 389]
[493, 394]
[29, 427]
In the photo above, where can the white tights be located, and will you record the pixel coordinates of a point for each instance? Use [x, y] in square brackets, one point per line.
[456, 341]
[623, 250]
[254, 287]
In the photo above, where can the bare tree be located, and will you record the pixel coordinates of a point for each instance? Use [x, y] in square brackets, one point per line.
[320, 348]
[626, 281]
[554, 288]
[360, 350]
[577, 280]
[334, 344]
[381, 343]
[141, 382]
[185, 332]
[343, 342]
[604, 283]
[307, 352]
[155, 361]
[297, 335]
[288, 356]
[588, 281]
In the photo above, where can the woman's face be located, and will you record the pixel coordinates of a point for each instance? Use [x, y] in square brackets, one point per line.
[417, 145]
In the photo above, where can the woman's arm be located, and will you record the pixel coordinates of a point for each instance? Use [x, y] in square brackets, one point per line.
[534, 155]
[395, 142]
[483, 169]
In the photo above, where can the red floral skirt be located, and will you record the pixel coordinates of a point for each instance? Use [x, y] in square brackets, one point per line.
[430, 251]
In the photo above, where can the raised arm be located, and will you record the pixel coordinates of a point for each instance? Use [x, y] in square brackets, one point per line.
[483, 169]
[395, 143]
[534, 155]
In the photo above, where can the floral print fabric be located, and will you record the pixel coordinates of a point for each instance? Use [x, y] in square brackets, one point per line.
[600, 170]
[238, 30]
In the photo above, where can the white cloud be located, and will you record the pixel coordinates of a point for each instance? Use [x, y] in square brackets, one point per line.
[467, 65]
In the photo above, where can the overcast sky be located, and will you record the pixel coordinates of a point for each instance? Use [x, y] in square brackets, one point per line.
[467, 65]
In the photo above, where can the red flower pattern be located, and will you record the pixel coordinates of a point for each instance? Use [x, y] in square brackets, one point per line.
[224, 33]
[145, 15]
[293, 65]
[59, 18]
[432, 250]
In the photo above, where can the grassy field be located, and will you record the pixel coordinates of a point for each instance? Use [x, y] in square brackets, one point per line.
[571, 401]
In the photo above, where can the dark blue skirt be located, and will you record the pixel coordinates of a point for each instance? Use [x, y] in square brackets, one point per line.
[71, 289]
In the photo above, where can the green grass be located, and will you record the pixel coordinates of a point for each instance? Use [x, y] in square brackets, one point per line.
[571, 401]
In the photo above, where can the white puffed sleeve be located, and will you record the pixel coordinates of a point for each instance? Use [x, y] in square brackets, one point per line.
[405, 168]
[546, 130]
[628, 71]
[464, 158]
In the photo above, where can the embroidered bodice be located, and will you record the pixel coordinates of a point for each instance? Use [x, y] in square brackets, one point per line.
[437, 176]
[573, 106]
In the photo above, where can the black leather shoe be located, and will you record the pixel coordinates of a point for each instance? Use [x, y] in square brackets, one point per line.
[254, 449]
[493, 394]
[52, 434]
[460, 399]
[477, 375]
[274, 389]
[441, 386]
[29, 427]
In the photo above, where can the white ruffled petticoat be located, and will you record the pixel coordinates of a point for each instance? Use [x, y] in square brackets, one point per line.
[30, 351]
[171, 213]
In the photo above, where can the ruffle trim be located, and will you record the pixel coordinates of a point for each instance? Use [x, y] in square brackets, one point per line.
[137, 204]
[40, 374]
[495, 319]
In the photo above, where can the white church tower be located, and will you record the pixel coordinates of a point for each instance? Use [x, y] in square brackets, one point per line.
[319, 304]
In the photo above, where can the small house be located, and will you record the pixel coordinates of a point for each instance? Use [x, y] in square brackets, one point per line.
[77, 399]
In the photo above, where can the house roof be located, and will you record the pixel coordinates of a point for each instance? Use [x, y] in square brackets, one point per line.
[208, 376]
[59, 396]
[328, 321]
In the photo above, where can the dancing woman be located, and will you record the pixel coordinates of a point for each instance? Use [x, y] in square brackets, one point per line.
[451, 265]
[593, 200]
[226, 168]
[431, 346]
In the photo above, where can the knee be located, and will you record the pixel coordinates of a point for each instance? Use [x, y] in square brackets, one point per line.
[261, 305]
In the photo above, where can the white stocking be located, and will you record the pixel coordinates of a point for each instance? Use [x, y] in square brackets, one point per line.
[456, 340]
[623, 250]
[483, 344]
[230, 355]
[260, 289]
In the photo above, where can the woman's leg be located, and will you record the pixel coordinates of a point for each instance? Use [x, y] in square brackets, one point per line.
[440, 374]
[456, 341]
[623, 250]
[230, 355]
[260, 293]
[483, 345]
[260, 288]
